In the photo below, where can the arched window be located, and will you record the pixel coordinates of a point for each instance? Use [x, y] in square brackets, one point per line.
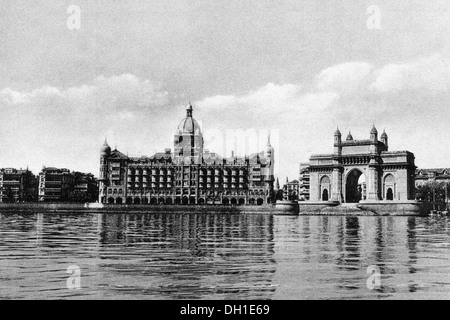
[389, 194]
[389, 187]
[325, 188]
[325, 195]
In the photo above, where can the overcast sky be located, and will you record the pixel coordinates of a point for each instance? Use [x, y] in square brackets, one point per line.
[296, 68]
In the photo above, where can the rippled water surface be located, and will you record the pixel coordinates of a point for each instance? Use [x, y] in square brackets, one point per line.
[219, 256]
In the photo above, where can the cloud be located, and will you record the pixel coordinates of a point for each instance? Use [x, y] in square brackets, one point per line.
[430, 73]
[344, 78]
[124, 92]
[271, 99]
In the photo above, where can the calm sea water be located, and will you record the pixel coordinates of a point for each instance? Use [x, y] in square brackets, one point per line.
[218, 256]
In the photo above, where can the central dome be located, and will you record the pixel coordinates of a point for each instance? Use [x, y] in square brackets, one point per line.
[189, 124]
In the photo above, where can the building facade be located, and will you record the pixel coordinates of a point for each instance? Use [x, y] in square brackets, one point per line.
[17, 185]
[304, 182]
[55, 185]
[291, 190]
[188, 175]
[424, 176]
[362, 170]
[62, 185]
[85, 188]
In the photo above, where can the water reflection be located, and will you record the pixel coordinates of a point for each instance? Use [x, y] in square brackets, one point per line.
[193, 255]
[223, 256]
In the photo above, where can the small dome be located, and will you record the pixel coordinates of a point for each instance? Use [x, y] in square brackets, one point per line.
[374, 130]
[337, 133]
[189, 124]
[105, 149]
[349, 137]
[384, 135]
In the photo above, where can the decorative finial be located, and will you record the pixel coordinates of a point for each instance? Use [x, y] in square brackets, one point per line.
[189, 110]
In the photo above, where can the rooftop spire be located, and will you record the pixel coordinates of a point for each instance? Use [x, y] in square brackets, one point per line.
[189, 110]
[337, 133]
[374, 130]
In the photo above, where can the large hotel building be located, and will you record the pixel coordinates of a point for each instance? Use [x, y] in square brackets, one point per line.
[188, 175]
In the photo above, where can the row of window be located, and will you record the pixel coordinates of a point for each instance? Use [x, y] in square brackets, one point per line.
[139, 172]
[193, 192]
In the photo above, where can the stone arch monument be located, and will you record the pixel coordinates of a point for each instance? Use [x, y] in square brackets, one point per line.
[360, 170]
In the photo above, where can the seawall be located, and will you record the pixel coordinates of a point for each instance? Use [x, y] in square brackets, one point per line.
[125, 209]
[365, 208]
[408, 208]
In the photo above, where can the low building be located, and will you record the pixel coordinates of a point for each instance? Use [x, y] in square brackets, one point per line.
[85, 188]
[424, 176]
[62, 185]
[55, 185]
[433, 185]
[17, 185]
[291, 190]
[304, 182]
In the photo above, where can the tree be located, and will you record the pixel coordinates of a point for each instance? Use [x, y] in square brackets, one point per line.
[432, 191]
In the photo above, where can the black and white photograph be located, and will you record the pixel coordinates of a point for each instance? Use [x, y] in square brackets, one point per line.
[236, 151]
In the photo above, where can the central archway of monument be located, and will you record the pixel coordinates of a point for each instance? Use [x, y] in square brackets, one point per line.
[355, 187]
